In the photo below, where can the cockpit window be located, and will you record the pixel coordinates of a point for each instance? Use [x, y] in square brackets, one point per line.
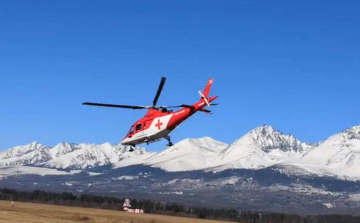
[138, 127]
[131, 131]
[165, 110]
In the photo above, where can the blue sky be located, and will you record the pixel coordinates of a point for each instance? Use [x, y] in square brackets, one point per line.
[291, 64]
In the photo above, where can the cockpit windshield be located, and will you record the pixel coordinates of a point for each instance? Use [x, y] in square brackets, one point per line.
[165, 110]
[131, 131]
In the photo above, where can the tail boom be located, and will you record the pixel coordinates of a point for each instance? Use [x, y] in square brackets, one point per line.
[188, 110]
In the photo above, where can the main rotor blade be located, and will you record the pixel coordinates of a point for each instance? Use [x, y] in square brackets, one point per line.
[176, 106]
[181, 106]
[115, 106]
[186, 106]
[161, 85]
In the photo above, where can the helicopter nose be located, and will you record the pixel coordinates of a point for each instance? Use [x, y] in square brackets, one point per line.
[125, 141]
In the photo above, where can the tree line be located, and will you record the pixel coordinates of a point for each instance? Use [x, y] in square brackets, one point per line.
[167, 208]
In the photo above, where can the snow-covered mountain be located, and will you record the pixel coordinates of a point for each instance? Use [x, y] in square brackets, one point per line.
[264, 168]
[62, 149]
[188, 154]
[260, 148]
[33, 153]
[339, 154]
[81, 156]
[67, 155]
[31, 170]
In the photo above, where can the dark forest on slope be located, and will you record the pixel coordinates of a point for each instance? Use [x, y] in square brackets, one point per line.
[167, 208]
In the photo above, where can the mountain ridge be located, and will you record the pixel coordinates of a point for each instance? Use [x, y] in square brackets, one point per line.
[262, 147]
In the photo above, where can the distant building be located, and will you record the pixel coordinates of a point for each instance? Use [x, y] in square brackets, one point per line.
[127, 207]
[126, 204]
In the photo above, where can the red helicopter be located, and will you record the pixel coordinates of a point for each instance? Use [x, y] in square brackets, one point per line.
[159, 121]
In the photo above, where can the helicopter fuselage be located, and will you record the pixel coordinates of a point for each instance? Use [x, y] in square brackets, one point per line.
[158, 123]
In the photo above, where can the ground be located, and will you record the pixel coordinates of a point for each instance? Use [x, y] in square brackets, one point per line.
[41, 213]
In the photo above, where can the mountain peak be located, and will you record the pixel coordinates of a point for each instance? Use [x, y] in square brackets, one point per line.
[35, 143]
[203, 139]
[63, 144]
[353, 132]
[62, 149]
[264, 130]
[340, 152]
[188, 154]
[34, 146]
[200, 143]
[267, 139]
[346, 135]
[265, 126]
[107, 144]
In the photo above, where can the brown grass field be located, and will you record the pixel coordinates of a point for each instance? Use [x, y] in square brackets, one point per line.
[42, 213]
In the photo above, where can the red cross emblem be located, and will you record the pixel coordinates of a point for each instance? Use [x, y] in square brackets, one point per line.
[159, 124]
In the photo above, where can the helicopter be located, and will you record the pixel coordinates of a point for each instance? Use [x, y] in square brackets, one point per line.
[159, 121]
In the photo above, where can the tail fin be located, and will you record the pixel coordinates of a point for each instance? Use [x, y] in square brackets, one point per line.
[207, 87]
[204, 96]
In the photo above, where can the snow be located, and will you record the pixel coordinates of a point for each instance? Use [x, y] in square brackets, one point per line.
[94, 174]
[62, 149]
[262, 147]
[339, 154]
[90, 155]
[328, 205]
[174, 192]
[68, 184]
[354, 197]
[302, 189]
[28, 154]
[173, 181]
[25, 170]
[67, 155]
[125, 178]
[133, 160]
[188, 154]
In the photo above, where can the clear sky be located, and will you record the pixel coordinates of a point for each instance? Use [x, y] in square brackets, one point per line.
[291, 64]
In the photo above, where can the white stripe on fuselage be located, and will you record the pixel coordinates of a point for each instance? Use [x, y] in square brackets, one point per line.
[155, 131]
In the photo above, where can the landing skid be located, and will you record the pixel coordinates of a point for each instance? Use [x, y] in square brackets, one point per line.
[151, 141]
[132, 148]
[169, 140]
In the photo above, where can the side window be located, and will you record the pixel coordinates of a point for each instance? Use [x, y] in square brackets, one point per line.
[138, 127]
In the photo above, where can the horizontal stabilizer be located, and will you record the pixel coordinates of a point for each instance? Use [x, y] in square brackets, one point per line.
[208, 112]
